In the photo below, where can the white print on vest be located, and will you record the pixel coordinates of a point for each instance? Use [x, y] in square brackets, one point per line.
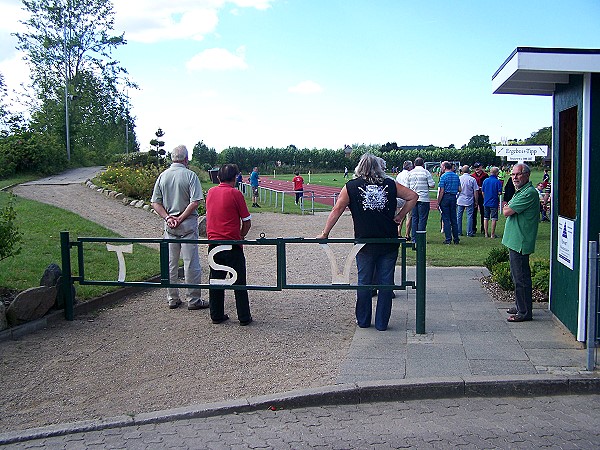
[215, 266]
[120, 249]
[374, 197]
[336, 276]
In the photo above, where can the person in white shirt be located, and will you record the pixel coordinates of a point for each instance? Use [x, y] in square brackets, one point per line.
[466, 200]
[402, 178]
[420, 181]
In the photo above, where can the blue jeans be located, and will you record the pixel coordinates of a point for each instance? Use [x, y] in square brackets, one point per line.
[459, 218]
[520, 273]
[382, 258]
[420, 214]
[448, 207]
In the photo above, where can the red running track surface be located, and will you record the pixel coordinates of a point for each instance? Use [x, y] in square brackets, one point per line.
[323, 194]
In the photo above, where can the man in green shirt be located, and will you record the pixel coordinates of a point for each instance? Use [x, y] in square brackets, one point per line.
[520, 233]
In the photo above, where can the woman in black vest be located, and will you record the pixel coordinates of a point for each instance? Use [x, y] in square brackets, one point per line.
[371, 196]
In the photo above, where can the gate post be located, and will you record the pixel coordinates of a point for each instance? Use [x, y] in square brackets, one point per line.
[66, 279]
[420, 282]
[592, 305]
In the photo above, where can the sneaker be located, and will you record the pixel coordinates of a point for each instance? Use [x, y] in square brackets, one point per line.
[174, 303]
[221, 320]
[197, 303]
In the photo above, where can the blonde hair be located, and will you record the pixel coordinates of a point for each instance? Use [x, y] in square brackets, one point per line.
[370, 168]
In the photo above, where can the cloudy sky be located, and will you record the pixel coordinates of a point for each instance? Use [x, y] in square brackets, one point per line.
[324, 73]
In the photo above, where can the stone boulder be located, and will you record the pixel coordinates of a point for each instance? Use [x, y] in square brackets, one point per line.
[3, 321]
[202, 226]
[51, 275]
[31, 304]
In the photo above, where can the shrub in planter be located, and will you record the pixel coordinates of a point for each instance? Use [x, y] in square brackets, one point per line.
[501, 275]
[495, 256]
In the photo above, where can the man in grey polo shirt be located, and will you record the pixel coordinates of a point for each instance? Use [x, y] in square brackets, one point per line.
[177, 193]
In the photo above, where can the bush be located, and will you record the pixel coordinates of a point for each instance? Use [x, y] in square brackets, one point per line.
[135, 182]
[501, 275]
[10, 236]
[495, 256]
[540, 275]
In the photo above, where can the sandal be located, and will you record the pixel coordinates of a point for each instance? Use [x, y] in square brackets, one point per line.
[512, 310]
[518, 318]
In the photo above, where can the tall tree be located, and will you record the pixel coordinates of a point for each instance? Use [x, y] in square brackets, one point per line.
[204, 156]
[70, 43]
[543, 136]
[479, 141]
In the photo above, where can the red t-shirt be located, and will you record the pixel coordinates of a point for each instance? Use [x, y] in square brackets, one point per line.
[298, 182]
[225, 208]
[479, 178]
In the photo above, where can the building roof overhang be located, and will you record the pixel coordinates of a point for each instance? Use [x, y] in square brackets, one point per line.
[537, 71]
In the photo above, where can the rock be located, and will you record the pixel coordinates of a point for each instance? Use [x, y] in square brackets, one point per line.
[31, 304]
[119, 195]
[3, 321]
[125, 200]
[51, 275]
[139, 203]
[146, 207]
[202, 226]
[133, 202]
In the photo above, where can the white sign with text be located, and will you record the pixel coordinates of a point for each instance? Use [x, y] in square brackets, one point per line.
[565, 241]
[521, 152]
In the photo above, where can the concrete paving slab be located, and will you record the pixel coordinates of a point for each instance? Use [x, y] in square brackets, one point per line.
[434, 360]
[494, 367]
[492, 346]
[557, 357]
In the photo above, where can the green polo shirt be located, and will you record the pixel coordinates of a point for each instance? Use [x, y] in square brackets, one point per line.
[520, 231]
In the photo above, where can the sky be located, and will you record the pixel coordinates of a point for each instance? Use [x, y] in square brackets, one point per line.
[325, 73]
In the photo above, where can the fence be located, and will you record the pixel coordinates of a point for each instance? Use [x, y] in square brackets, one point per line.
[273, 197]
[339, 280]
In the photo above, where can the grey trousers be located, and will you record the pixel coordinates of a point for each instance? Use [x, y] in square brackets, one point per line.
[188, 229]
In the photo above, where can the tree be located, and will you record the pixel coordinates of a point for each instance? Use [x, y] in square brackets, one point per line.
[68, 46]
[204, 157]
[541, 137]
[479, 141]
[388, 147]
[158, 145]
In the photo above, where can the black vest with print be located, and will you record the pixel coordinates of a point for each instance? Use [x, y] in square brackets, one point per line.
[373, 207]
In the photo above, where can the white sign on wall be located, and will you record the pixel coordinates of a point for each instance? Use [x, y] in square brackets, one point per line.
[565, 241]
[521, 152]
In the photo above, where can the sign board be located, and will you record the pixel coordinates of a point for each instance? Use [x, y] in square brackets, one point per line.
[565, 242]
[521, 152]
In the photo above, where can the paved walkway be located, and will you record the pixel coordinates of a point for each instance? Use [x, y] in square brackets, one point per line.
[72, 176]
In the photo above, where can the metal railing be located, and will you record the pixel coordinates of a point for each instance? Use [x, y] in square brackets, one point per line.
[274, 197]
[339, 281]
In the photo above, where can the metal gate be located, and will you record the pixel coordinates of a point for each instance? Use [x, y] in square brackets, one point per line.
[339, 281]
[593, 304]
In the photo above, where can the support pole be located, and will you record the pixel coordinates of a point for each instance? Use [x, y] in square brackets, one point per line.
[592, 305]
[421, 282]
[66, 278]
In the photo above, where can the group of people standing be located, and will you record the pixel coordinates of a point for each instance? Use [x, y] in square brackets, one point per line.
[378, 203]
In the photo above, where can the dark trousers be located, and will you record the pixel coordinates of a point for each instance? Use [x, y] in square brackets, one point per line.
[420, 214]
[235, 259]
[520, 273]
[478, 207]
[299, 194]
[448, 207]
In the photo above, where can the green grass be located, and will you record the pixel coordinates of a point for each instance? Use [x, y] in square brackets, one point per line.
[323, 179]
[41, 225]
[473, 251]
[17, 179]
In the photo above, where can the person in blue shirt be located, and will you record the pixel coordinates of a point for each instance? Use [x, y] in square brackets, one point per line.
[492, 190]
[254, 180]
[449, 187]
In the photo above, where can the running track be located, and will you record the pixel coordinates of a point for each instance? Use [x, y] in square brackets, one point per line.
[323, 194]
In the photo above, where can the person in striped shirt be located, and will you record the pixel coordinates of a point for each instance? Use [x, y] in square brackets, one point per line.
[420, 181]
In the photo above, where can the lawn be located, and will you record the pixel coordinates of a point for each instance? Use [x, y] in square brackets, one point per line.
[41, 225]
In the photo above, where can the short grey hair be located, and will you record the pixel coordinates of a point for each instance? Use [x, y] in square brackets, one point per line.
[179, 153]
[524, 167]
[494, 170]
[370, 168]
[408, 165]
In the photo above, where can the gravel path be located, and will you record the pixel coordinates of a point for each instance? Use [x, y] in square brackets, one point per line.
[140, 356]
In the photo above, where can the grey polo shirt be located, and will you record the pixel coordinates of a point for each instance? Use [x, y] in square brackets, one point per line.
[176, 188]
